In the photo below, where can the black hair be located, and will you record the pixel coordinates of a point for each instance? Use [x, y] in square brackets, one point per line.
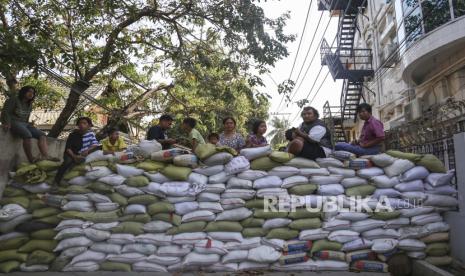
[256, 125]
[308, 108]
[364, 106]
[22, 93]
[213, 135]
[288, 134]
[87, 119]
[111, 130]
[229, 118]
[190, 122]
[166, 117]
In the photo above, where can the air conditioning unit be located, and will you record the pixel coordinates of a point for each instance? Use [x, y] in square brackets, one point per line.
[413, 110]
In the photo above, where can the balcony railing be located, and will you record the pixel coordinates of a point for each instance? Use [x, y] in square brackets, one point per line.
[337, 5]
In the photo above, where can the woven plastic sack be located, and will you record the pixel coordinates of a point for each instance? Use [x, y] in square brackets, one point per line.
[186, 160]
[302, 163]
[440, 179]
[220, 158]
[128, 171]
[254, 153]
[203, 151]
[264, 164]
[281, 156]
[398, 167]
[415, 173]
[237, 165]
[167, 155]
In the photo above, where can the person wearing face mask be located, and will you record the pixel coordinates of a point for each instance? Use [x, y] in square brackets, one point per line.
[229, 137]
[371, 137]
[312, 139]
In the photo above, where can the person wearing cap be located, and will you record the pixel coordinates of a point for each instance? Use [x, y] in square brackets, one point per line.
[159, 134]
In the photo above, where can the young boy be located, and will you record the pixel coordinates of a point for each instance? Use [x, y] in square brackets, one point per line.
[213, 138]
[79, 144]
[113, 143]
[188, 125]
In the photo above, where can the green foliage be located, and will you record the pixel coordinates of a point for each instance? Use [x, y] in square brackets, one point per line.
[278, 133]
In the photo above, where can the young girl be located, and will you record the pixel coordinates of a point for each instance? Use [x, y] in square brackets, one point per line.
[256, 139]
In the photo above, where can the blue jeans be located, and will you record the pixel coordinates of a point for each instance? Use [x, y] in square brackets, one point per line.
[358, 150]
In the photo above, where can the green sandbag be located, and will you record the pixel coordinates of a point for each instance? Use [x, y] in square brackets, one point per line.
[282, 234]
[12, 255]
[437, 249]
[47, 165]
[254, 232]
[160, 207]
[101, 188]
[301, 213]
[300, 163]
[151, 166]
[302, 190]
[59, 264]
[72, 174]
[44, 234]
[255, 203]
[143, 199]
[264, 164]
[100, 163]
[252, 222]
[432, 163]
[23, 170]
[223, 226]
[303, 224]
[52, 220]
[36, 204]
[385, 215]
[320, 245]
[129, 227]
[13, 192]
[45, 212]
[20, 200]
[176, 172]
[40, 257]
[45, 245]
[95, 217]
[168, 217]
[74, 189]
[260, 213]
[227, 149]
[118, 198]
[203, 151]
[13, 243]
[188, 227]
[9, 266]
[405, 155]
[142, 218]
[362, 190]
[114, 266]
[281, 156]
[137, 181]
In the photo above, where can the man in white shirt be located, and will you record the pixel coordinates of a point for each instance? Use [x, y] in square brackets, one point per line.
[312, 139]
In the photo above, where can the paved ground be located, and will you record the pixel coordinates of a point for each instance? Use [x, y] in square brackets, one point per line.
[325, 273]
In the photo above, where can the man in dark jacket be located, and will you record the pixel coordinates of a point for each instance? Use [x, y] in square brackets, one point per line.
[158, 132]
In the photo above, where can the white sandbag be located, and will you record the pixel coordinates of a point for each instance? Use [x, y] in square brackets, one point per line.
[276, 223]
[145, 249]
[154, 189]
[106, 248]
[440, 201]
[33, 268]
[112, 179]
[128, 171]
[79, 180]
[383, 181]
[98, 172]
[157, 177]
[330, 190]
[365, 225]
[250, 266]
[10, 225]
[11, 211]
[221, 177]
[163, 260]
[97, 156]
[188, 238]
[441, 190]
[134, 209]
[183, 208]
[264, 254]
[167, 154]
[121, 239]
[353, 181]
[234, 214]
[368, 173]
[294, 181]
[147, 147]
[309, 265]
[382, 160]
[384, 245]
[440, 179]
[235, 256]
[186, 160]
[69, 223]
[272, 192]
[419, 255]
[195, 258]
[254, 153]
[324, 265]
[98, 198]
[200, 215]
[352, 216]
[386, 193]
[435, 227]
[88, 266]
[324, 180]
[252, 175]
[72, 242]
[414, 196]
[127, 258]
[12, 235]
[230, 267]
[277, 244]
[73, 251]
[398, 167]
[220, 158]
[148, 266]
[426, 219]
[329, 162]
[343, 236]
[226, 236]
[244, 244]
[210, 247]
[174, 250]
[284, 171]
[208, 197]
[267, 182]
[157, 226]
[214, 207]
[381, 233]
[107, 206]
[89, 255]
[396, 223]
[307, 172]
[232, 203]
[155, 239]
[410, 186]
[411, 245]
[217, 188]
[357, 244]
[176, 188]
[238, 183]
[75, 197]
[128, 191]
[340, 171]
[415, 173]
[197, 178]
[37, 188]
[96, 235]
[209, 171]
[82, 206]
[244, 194]
[237, 165]
[336, 224]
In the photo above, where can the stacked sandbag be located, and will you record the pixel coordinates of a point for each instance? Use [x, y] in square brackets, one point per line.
[219, 210]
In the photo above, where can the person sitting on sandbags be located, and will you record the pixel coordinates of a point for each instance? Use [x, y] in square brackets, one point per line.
[113, 143]
[312, 139]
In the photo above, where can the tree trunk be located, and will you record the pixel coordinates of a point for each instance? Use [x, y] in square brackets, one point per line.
[71, 103]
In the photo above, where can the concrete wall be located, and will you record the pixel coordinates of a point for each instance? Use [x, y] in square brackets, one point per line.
[12, 154]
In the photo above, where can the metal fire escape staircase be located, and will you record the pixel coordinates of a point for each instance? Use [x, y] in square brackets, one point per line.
[346, 62]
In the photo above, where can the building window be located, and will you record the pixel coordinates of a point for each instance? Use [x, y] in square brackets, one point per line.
[435, 14]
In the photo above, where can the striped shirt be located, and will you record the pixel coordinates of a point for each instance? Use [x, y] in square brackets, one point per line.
[88, 140]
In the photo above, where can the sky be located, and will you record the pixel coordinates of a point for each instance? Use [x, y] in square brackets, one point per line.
[330, 90]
